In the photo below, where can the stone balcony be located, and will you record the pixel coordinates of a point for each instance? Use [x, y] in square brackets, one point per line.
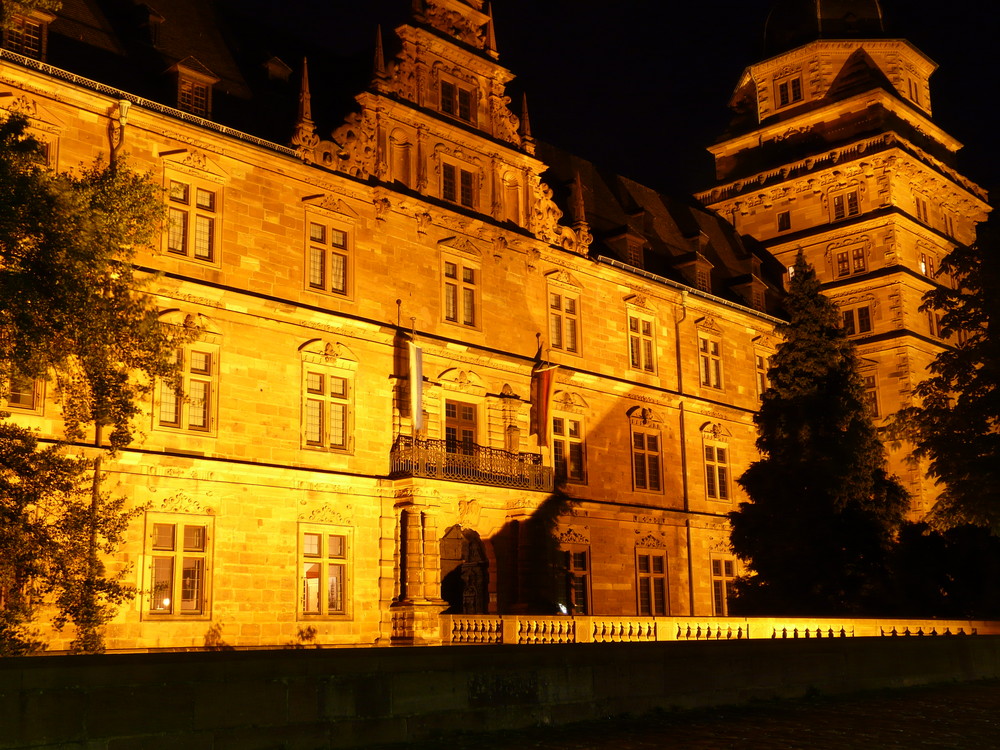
[468, 462]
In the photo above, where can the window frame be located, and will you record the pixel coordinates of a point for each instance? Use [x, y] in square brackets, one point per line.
[641, 335]
[178, 552]
[563, 444]
[458, 184]
[14, 36]
[459, 294]
[647, 458]
[850, 261]
[723, 573]
[186, 204]
[37, 395]
[788, 90]
[578, 578]
[458, 100]
[762, 365]
[332, 243]
[717, 470]
[208, 376]
[856, 317]
[711, 373]
[564, 319]
[845, 204]
[655, 608]
[326, 560]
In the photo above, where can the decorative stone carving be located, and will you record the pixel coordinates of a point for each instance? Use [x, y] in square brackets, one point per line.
[183, 503]
[328, 514]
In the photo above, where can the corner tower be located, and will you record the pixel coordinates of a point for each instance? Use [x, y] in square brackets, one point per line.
[832, 150]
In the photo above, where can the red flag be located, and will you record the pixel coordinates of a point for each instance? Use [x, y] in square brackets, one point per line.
[543, 381]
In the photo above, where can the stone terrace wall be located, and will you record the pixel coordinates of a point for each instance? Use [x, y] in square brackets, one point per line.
[351, 697]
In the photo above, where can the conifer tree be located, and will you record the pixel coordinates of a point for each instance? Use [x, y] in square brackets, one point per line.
[955, 422]
[819, 527]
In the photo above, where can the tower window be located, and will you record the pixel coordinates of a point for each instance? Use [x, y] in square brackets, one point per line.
[789, 91]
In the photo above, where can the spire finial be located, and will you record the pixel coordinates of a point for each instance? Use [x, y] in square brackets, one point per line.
[305, 99]
[524, 129]
[578, 206]
[379, 54]
[491, 37]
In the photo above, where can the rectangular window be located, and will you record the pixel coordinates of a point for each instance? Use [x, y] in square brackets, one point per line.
[762, 363]
[914, 90]
[710, 362]
[563, 322]
[922, 212]
[851, 261]
[846, 205]
[934, 323]
[640, 342]
[857, 320]
[26, 37]
[191, 217]
[789, 91]
[323, 567]
[193, 96]
[190, 409]
[717, 472]
[651, 583]
[646, 461]
[326, 267]
[723, 580]
[949, 224]
[577, 595]
[23, 393]
[457, 185]
[178, 553]
[871, 394]
[784, 221]
[326, 409]
[457, 101]
[567, 449]
[460, 293]
[460, 427]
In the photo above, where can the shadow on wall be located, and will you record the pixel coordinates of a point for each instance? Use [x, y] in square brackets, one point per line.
[528, 568]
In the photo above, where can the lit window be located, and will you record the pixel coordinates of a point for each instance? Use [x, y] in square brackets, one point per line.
[710, 361]
[26, 36]
[928, 265]
[846, 204]
[327, 267]
[646, 460]
[640, 343]
[651, 583]
[191, 214]
[563, 322]
[178, 553]
[326, 409]
[857, 320]
[577, 561]
[460, 293]
[193, 96]
[457, 185]
[323, 570]
[190, 409]
[723, 580]
[457, 101]
[717, 471]
[789, 91]
[567, 449]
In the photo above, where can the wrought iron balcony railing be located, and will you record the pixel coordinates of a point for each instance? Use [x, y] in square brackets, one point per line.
[467, 462]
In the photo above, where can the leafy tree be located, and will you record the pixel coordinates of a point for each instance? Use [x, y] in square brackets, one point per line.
[824, 509]
[11, 8]
[71, 310]
[955, 423]
[70, 301]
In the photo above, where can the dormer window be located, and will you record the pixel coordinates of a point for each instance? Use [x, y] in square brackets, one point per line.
[788, 91]
[193, 96]
[194, 87]
[456, 101]
[27, 35]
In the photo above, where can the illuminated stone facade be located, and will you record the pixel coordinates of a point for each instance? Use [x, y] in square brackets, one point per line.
[833, 152]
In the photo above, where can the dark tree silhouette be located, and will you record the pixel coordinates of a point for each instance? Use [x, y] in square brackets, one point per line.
[818, 531]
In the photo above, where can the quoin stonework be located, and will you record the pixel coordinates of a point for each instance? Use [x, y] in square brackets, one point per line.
[442, 368]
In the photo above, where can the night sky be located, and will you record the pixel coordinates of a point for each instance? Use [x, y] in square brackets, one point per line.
[641, 86]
